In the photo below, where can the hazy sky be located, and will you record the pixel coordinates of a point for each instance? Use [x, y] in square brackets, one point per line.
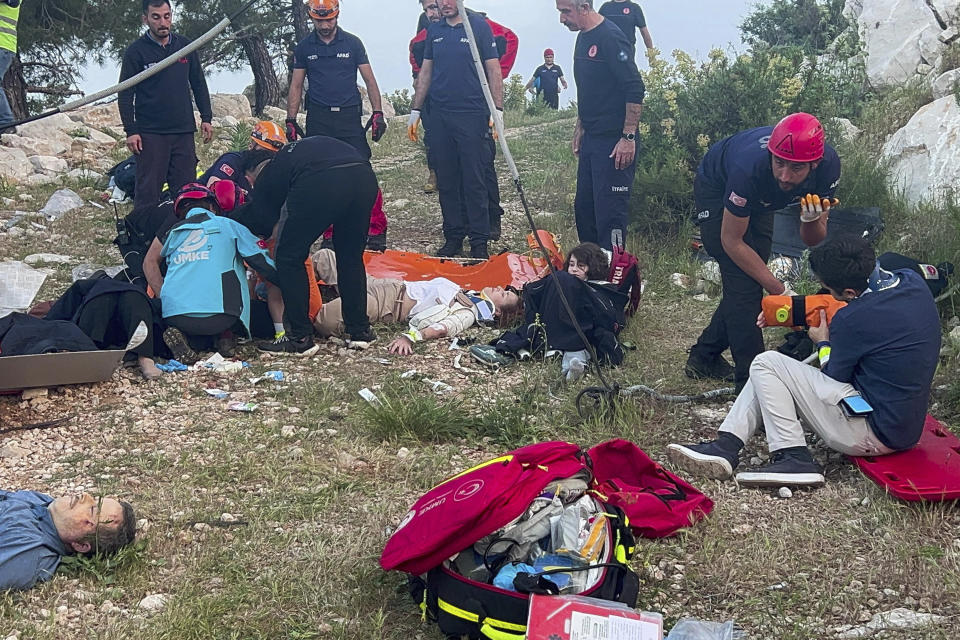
[386, 27]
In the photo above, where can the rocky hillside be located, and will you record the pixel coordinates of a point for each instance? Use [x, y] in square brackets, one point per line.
[916, 41]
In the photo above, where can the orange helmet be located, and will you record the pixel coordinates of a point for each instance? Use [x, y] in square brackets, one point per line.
[323, 9]
[268, 135]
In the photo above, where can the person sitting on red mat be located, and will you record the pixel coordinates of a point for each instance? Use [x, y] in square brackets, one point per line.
[883, 346]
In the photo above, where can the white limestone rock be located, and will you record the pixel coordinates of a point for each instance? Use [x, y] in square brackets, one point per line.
[898, 36]
[945, 83]
[924, 155]
[14, 164]
[101, 116]
[54, 144]
[49, 164]
[230, 104]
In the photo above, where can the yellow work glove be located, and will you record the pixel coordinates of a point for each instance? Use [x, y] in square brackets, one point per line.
[413, 126]
[813, 206]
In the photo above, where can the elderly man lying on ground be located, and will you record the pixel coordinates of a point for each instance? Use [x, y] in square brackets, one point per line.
[436, 308]
[882, 348]
[36, 531]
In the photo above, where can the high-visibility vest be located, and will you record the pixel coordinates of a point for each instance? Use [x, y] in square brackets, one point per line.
[8, 26]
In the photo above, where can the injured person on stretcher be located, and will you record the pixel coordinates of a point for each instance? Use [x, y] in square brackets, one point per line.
[436, 308]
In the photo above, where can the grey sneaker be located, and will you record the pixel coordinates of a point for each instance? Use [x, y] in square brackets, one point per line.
[487, 355]
[792, 467]
[715, 459]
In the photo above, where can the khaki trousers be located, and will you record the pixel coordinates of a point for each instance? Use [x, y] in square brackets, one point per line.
[783, 392]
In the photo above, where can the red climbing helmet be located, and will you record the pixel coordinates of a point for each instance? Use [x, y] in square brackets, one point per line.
[797, 138]
[193, 191]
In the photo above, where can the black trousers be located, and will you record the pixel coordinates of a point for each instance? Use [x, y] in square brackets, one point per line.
[202, 332]
[462, 152]
[170, 158]
[341, 197]
[734, 323]
[111, 319]
[426, 119]
[552, 100]
[602, 204]
[345, 125]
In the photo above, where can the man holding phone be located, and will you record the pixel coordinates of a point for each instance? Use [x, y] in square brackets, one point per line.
[869, 398]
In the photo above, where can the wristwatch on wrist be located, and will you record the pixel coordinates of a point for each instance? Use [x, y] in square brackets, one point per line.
[629, 137]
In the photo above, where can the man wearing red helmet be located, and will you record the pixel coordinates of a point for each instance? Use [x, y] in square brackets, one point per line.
[329, 60]
[740, 182]
[548, 77]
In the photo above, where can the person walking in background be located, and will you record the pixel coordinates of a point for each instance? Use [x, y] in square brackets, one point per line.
[330, 59]
[9, 16]
[157, 114]
[461, 120]
[546, 81]
[611, 93]
[629, 17]
[431, 14]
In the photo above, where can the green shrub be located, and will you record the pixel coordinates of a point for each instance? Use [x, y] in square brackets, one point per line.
[401, 100]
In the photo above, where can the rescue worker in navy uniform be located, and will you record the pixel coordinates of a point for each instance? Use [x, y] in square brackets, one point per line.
[548, 77]
[507, 46]
[611, 95]
[157, 114]
[323, 182]
[461, 124]
[237, 166]
[740, 182]
[330, 58]
[629, 17]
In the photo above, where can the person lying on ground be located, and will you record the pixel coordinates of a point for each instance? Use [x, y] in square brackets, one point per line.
[883, 347]
[598, 306]
[37, 531]
[434, 309]
[205, 292]
[110, 312]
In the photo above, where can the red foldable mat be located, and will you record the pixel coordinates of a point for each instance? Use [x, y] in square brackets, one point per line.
[929, 472]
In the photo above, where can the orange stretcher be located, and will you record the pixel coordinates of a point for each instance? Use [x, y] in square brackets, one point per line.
[499, 271]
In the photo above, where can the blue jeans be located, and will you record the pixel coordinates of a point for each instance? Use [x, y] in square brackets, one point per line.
[6, 115]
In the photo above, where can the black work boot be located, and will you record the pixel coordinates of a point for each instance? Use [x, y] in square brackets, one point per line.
[715, 459]
[451, 248]
[479, 251]
[700, 367]
[496, 227]
[790, 467]
[377, 242]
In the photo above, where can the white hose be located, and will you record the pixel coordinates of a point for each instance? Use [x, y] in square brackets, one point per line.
[482, 75]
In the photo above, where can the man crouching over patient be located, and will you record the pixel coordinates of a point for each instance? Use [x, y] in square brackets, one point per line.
[37, 530]
[883, 347]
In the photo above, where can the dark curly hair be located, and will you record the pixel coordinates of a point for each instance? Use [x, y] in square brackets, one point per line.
[844, 262]
[591, 255]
